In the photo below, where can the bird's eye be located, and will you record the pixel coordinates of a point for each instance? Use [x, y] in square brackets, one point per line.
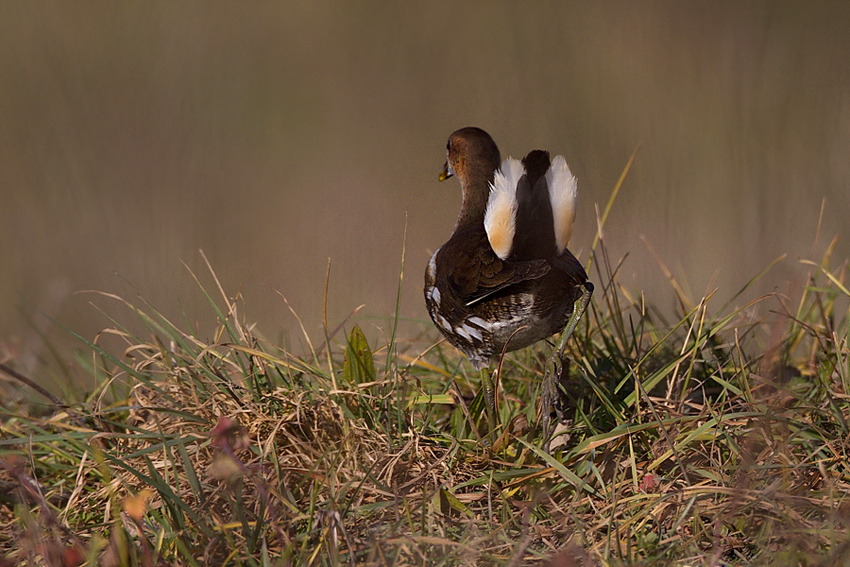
[448, 146]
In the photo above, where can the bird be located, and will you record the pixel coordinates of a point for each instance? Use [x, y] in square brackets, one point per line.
[505, 279]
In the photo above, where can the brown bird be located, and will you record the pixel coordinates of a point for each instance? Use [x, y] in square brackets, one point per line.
[505, 278]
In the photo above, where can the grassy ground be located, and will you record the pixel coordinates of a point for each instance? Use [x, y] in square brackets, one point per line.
[717, 439]
[720, 438]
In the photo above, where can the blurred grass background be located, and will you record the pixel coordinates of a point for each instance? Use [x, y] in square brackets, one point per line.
[277, 135]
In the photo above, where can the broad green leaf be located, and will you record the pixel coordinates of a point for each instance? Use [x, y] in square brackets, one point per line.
[358, 366]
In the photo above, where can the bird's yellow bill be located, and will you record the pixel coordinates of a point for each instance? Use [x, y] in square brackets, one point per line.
[446, 173]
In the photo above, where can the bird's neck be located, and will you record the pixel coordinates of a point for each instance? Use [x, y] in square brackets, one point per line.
[476, 191]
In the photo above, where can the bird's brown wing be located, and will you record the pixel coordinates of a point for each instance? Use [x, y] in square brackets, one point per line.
[474, 272]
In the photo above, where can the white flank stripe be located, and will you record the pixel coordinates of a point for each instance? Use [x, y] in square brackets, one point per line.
[462, 332]
[471, 331]
[432, 265]
[500, 217]
[562, 193]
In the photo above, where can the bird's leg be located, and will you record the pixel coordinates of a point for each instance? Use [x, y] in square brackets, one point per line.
[555, 366]
[490, 402]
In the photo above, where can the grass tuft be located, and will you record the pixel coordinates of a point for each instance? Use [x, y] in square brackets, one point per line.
[718, 439]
